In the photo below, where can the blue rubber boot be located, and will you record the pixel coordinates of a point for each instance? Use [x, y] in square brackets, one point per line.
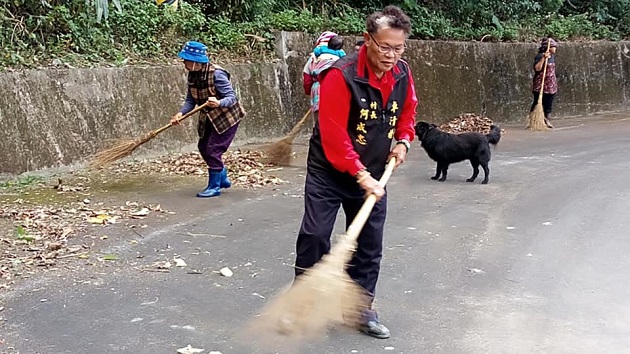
[225, 181]
[214, 185]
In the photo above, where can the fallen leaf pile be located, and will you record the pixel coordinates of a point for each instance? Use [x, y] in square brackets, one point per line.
[244, 168]
[467, 122]
[40, 234]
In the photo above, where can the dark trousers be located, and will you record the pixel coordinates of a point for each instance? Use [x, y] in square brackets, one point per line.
[213, 145]
[547, 102]
[315, 115]
[323, 195]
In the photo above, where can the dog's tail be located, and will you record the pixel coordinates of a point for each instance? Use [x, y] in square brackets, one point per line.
[495, 135]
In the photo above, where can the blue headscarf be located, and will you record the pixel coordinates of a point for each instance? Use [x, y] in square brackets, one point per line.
[324, 49]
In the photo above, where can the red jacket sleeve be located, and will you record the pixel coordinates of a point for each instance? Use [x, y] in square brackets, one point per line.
[405, 126]
[334, 109]
[308, 83]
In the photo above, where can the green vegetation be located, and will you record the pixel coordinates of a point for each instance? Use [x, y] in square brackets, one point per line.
[97, 32]
[21, 234]
[20, 183]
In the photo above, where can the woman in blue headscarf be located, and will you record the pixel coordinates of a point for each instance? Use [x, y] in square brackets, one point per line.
[327, 50]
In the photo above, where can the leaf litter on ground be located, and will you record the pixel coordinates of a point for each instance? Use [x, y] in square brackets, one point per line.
[41, 235]
[244, 167]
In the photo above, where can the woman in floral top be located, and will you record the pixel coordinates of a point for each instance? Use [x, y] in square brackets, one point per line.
[551, 83]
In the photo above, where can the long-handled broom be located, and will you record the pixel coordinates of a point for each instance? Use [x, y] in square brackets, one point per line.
[536, 118]
[324, 294]
[124, 148]
[279, 152]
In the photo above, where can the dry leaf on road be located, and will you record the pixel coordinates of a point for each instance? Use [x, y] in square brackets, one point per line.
[226, 272]
[179, 262]
[189, 350]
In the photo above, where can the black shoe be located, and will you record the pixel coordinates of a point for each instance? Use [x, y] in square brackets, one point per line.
[548, 123]
[375, 329]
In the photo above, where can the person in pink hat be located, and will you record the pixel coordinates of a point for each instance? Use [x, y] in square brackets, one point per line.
[326, 52]
[551, 82]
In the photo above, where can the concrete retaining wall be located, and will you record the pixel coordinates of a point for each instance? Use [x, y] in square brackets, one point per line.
[58, 117]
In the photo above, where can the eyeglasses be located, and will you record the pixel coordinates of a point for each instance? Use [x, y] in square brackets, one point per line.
[386, 49]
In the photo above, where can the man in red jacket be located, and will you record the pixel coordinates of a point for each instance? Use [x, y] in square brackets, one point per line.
[367, 100]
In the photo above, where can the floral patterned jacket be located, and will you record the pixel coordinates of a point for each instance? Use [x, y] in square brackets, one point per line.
[551, 83]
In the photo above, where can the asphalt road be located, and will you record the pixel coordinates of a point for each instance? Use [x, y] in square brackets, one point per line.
[534, 262]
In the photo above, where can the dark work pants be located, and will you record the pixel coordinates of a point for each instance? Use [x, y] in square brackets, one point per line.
[323, 195]
[213, 145]
[547, 102]
[315, 115]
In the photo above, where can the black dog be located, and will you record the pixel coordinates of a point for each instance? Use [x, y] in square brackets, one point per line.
[445, 148]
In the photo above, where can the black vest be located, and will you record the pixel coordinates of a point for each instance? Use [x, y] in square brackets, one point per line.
[371, 124]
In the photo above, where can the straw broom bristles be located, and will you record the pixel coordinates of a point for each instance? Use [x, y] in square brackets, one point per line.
[536, 118]
[324, 294]
[120, 150]
[279, 152]
[124, 148]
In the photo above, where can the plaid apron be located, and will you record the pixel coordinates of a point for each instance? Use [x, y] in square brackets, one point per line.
[201, 86]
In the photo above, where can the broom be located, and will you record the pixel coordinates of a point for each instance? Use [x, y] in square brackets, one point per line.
[536, 118]
[325, 293]
[279, 152]
[124, 148]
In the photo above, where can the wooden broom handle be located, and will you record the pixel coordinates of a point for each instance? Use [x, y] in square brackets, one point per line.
[542, 82]
[301, 122]
[364, 213]
[197, 109]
